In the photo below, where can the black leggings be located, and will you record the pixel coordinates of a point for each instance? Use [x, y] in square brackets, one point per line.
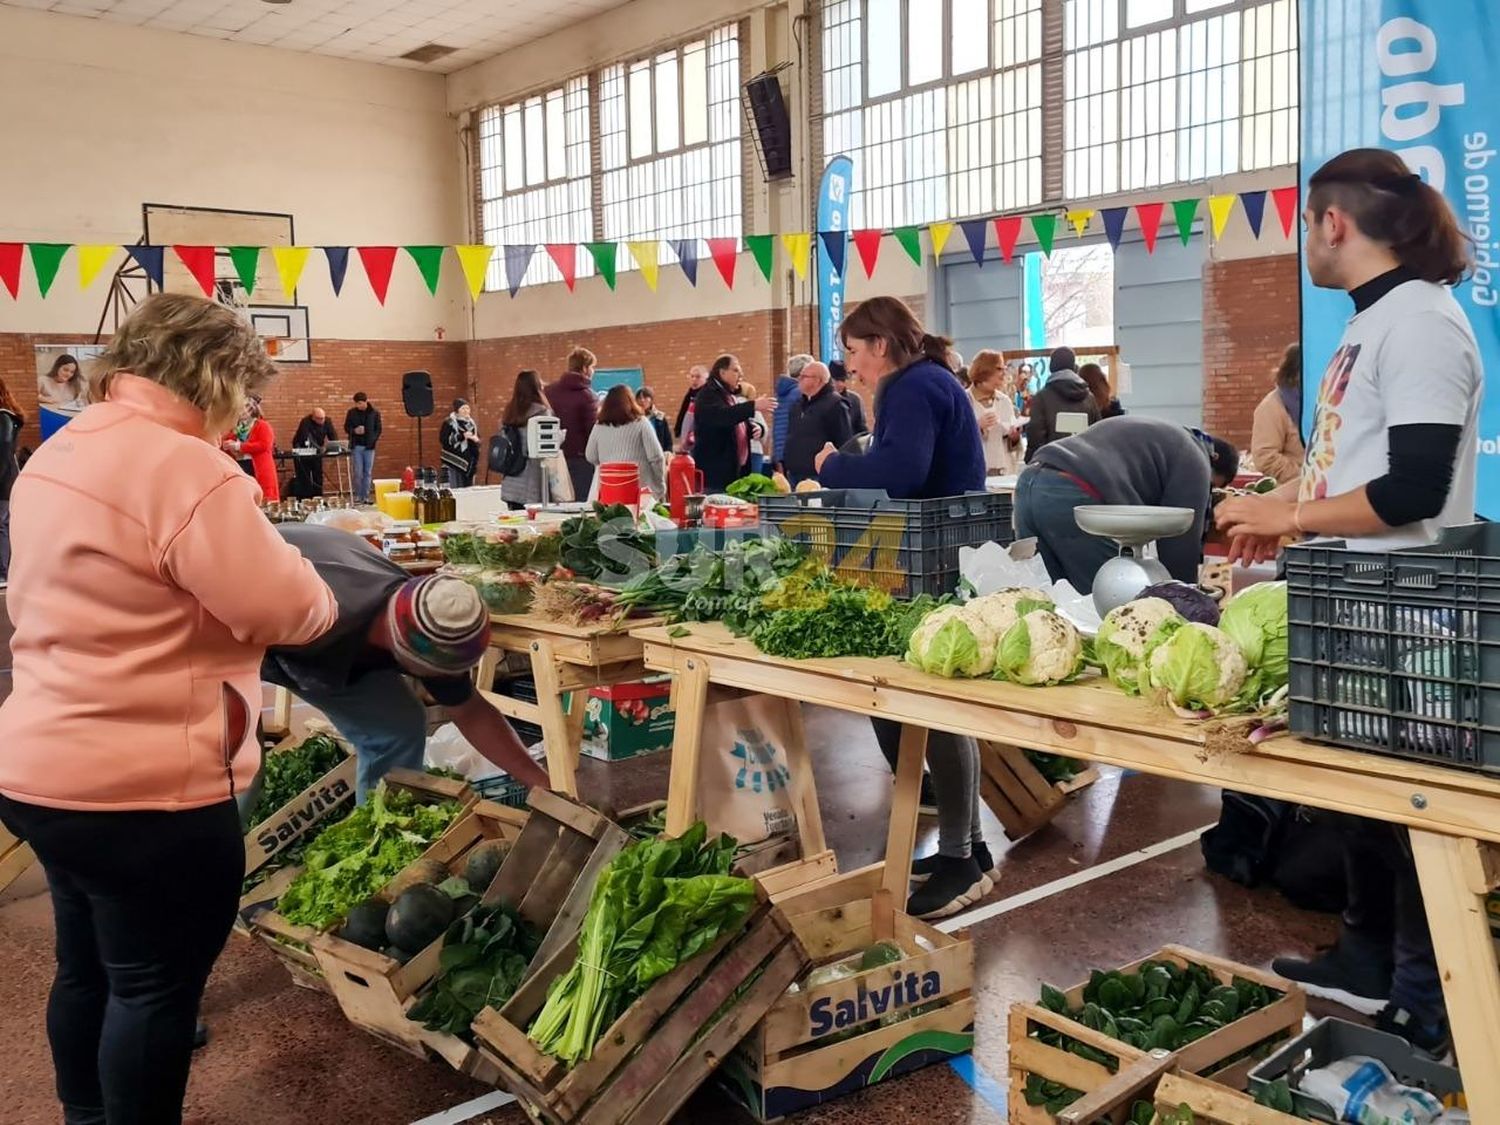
[143, 903]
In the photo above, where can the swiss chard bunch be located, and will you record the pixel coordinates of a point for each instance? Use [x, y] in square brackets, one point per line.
[706, 585]
[483, 961]
[354, 858]
[288, 772]
[659, 903]
[607, 546]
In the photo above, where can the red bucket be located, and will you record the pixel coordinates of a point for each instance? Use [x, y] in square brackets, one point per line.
[619, 483]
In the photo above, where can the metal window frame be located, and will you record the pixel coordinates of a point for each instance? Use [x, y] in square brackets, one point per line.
[736, 27]
[947, 78]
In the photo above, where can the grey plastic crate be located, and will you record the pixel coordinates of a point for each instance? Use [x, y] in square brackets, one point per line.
[503, 790]
[1398, 652]
[1329, 1040]
[906, 547]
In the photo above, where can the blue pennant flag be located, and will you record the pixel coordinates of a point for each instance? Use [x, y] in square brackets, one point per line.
[836, 244]
[975, 231]
[1254, 203]
[686, 250]
[517, 262]
[338, 266]
[1114, 224]
[149, 258]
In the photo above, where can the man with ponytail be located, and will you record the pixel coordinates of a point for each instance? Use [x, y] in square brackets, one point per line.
[1390, 463]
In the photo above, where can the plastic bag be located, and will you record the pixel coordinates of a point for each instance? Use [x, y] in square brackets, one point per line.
[447, 749]
[1362, 1090]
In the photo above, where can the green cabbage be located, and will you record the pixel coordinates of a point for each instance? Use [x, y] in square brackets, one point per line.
[1129, 635]
[950, 642]
[1040, 648]
[1198, 668]
[1256, 620]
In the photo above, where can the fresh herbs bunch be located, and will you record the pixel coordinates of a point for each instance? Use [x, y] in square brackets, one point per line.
[483, 961]
[288, 772]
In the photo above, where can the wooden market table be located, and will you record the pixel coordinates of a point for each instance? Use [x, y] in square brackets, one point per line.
[1454, 815]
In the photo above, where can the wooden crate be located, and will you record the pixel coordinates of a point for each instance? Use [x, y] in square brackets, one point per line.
[558, 851]
[1213, 1104]
[664, 1046]
[1028, 1055]
[1017, 793]
[15, 858]
[331, 795]
[789, 1063]
[292, 945]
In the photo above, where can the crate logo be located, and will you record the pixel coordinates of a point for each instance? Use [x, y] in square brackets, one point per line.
[905, 990]
[874, 559]
[274, 837]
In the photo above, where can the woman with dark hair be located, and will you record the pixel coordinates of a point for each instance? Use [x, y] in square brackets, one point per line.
[1093, 375]
[459, 438]
[252, 443]
[12, 418]
[624, 433]
[1391, 463]
[1276, 431]
[526, 402]
[63, 387]
[645, 398]
[721, 425]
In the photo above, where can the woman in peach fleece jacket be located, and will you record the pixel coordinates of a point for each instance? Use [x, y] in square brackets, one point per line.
[145, 586]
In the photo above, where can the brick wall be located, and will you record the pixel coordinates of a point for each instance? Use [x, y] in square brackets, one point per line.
[1250, 314]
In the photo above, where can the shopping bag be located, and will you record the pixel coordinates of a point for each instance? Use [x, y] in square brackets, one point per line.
[559, 480]
[744, 784]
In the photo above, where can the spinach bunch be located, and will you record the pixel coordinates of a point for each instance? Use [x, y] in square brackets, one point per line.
[1053, 767]
[659, 903]
[607, 546]
[705, 585]
[288, 772]
[483, 961]
[1160, 1005]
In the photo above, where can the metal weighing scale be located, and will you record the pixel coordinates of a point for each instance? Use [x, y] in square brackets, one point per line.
[1136, 528]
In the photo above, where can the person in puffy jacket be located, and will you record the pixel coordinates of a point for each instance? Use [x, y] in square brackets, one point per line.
[131, 728]
[788, 391]
[1064, 393]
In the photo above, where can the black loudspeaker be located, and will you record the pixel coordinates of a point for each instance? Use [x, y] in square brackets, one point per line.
[416, 394]
[773, 124]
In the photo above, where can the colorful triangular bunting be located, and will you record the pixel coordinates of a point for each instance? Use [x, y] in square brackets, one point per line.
[152, 260]
[686, 250]
[797, 246]
[11, 254]
[1080, 221]
[1044, 226]
[1219, 209]
[429, 261]
[1286, 207]
[338, 266]
[939, 233]
[726, 254]
[1254, 203]
[46, 257]
[974, 233]
[517, 262]
[1184, 212]
[1149, 216]
[1007, 234]
[867, 242]
[378, 262]
[836, 242]
[199, 261]
[606, 256]
[647, 255]
[92, 259]
[475, 263]
[911, 241]
[762, 248]
[246, 261]
[1114, 224]
[290, 262]
[564, 256]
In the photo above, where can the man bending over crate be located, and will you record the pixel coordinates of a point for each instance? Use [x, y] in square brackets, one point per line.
[390, 627]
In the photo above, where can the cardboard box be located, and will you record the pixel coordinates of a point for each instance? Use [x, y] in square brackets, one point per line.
[627, 720]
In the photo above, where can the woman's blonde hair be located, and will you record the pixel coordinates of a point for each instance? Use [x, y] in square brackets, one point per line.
[985, 364]
[199, 350]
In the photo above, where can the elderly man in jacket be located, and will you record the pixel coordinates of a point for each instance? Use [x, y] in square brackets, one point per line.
[788, 391]
[818, 417]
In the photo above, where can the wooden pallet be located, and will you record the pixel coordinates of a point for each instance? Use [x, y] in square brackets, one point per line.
[558, 851]
[291, 944]
[1277, 1021]
[788, 1063]
[1017, 793]
[664, 1046]
[15, 858]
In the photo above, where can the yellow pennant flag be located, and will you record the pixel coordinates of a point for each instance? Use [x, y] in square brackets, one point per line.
[290, 261]
[1219, 209]
[798, 246]
[1080, 221]
[92, 259]
[475, 261]
[647, 255]
[939, 233]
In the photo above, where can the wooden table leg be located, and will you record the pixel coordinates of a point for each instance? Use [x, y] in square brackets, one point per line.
[562, 751]
[489, 664]
[1456, 877]
[803, 785]
[901, 839]
[578, 709]
[281, 714]
[690, 701]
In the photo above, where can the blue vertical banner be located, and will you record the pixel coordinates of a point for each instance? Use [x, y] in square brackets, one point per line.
[1417, 77]
[833, 216]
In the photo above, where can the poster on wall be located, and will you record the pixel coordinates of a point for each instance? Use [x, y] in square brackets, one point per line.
[1417, 78]
[62, 383]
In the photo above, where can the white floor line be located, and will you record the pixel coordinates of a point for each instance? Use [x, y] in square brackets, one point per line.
[499, 1099]
[1068, 882]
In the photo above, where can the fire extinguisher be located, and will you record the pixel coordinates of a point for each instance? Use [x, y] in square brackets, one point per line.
[684, 479]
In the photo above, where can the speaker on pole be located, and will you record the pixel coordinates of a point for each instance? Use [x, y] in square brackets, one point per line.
[416, 400]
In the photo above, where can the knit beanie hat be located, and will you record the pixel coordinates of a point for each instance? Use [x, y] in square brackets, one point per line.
[438, 625]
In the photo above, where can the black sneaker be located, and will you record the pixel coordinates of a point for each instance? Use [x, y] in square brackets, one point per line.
[927, 802]
[952, 885]
[1432, 1041]
[922, 869]
[1351, 973]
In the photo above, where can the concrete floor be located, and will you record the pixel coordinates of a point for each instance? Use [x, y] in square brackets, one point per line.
[284, 1056]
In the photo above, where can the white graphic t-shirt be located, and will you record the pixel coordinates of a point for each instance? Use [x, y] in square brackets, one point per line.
[1409, 358]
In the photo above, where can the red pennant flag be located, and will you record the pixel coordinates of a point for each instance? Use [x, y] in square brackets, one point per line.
[378, 262]
[1286, 207]
[10, 266]
[1149, 215]
[199, 261]
[726, 252]
[564, 256]
[867, 242]
[1007, 231]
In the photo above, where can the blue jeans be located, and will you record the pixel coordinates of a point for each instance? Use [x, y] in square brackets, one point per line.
[382, 718]
[1044, 509]
[364, 472]
[757, 462]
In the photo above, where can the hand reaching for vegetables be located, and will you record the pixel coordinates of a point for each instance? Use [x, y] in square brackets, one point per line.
[1256, 526]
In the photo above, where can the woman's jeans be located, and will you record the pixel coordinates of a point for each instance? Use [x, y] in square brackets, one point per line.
[953, 761]
[143, 903]
[1044, 510]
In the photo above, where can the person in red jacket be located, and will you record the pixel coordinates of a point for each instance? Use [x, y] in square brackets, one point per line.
[573, 400]
[253, 441]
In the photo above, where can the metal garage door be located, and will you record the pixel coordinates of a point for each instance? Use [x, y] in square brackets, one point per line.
[979, 308]
[1159, 327]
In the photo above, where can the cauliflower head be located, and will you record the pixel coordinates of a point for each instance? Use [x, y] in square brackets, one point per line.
[951, 642]
[1198, 668]
[1129, 635]
[1040, 648]
[1004, 608]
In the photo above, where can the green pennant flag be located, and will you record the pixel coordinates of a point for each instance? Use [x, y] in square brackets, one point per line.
[1185, 211]
[246, 261]
[604, 255]
[45, 258]
[763, 248]
[429, 260]
[1045, 229]
[911, 241]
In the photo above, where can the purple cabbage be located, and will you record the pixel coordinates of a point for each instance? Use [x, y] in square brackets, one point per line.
[1187, 600]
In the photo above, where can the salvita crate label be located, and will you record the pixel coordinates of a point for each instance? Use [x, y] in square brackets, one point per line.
[311, 807]
[905, 991]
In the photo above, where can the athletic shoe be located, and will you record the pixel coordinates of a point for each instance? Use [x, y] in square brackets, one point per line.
[927, 802]
[953, 885]
[1433, 1041]
[922, 869]
[1353, 973]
